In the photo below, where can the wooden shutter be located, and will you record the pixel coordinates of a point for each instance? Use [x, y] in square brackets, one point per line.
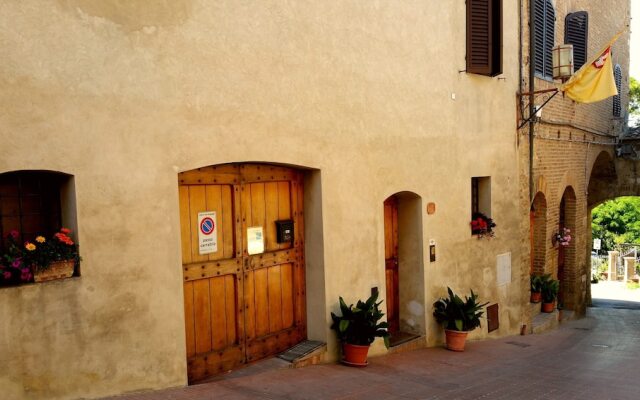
[576, 32]
[617, 75]
[484, 37]
[544, 35]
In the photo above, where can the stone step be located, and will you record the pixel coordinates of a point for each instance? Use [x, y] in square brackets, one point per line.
[536, 308]
[544, 322]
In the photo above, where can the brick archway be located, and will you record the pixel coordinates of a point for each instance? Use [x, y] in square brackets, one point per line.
[566, 270]
[538, 233]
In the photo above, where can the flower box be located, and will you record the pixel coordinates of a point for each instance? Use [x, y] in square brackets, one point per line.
[57, 270]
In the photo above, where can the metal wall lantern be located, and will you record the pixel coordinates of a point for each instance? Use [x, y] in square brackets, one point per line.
[562, 61]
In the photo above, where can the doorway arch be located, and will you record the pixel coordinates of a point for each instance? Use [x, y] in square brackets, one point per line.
[404, 266]
[538, 234]
[566, 267]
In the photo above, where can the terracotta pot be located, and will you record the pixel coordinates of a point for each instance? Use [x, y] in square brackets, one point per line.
[56, 270]
[536, 297]
[354, 355]
[455, 339]
[548, 307]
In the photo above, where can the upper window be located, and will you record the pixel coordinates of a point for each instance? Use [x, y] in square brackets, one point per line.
[617, 75]
[484, 37]
[576, 32]
[544, 19]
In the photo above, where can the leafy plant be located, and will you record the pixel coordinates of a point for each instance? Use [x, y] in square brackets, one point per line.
[482, 225]
[456, 314]
[359, 325]
[536, 283]
[550, 290]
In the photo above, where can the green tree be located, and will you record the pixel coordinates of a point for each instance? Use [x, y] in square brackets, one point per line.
[617, 221]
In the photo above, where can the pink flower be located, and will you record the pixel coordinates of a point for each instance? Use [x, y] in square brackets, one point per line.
[14, 234]
[7, 274]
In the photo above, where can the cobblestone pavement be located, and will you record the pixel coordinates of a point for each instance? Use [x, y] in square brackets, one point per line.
[597, 357]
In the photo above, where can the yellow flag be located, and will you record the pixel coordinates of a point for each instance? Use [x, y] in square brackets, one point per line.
[594, 81]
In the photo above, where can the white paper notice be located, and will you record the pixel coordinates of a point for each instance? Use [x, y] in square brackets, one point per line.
[207, 232]
[255, 240]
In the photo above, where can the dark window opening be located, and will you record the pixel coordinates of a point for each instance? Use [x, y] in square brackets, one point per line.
[617, 107]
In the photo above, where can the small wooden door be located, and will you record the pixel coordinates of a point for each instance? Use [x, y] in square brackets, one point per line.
[391, 263]
[239, 307]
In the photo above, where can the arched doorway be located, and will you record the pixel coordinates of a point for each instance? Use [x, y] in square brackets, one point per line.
[566, 271]
[404, 267]
[243, 264]
[538, 234]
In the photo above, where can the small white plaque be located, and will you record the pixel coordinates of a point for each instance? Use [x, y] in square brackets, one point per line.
[255, 240]
[503, 264]
[207, 232]
[596, 244]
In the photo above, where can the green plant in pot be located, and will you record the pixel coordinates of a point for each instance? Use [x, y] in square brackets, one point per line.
[536, 288]
[458, 317]
[550, 290]
[358, 327]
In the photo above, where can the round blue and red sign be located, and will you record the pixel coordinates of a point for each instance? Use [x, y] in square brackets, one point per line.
[207, 225]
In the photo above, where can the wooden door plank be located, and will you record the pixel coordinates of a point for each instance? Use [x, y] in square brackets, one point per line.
[260, 279]
[249, 306]
[299, 291]
[271, 210]
[299, 229]
[286, 271]
[189, 319]
[219, 174]
[218, 313]
[247, 216]
[197, 203]
[185, 224]
[226, 222]
[275, 298]
[231, 309]
[284, 206]
[202, 315]
[258, 214]
[394, 233]
[388, 230]
[213, 195]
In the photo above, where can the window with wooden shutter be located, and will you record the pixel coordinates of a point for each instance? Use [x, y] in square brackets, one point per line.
[617, 75]
[544, 20]
[576, 32]
[484, 37]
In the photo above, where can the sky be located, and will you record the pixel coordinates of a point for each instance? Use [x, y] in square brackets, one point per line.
[635, 39]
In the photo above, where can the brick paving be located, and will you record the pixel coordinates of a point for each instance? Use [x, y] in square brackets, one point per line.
[597, 357]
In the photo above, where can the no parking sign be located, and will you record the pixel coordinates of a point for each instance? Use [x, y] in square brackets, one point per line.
[207, 232]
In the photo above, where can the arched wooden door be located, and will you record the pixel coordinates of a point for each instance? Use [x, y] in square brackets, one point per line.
[241, 307]
[392, 277]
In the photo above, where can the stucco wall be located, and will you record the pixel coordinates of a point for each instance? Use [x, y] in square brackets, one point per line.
[124, 96]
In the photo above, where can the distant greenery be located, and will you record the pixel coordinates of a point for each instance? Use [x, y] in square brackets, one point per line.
[617, 221]
[634, 99]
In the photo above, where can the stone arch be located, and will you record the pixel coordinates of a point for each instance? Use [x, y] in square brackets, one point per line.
[538, 233]
[566, 271]
[603, 180]
[404, 266]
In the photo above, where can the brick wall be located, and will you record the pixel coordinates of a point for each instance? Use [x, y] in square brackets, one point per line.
[568, 138]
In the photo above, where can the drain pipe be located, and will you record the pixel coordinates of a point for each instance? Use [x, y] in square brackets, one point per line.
[532, 55]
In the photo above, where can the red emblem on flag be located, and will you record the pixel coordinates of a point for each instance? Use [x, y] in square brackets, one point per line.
[599, 63]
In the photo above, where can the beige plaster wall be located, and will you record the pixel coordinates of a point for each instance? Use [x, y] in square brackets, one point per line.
[124, 95]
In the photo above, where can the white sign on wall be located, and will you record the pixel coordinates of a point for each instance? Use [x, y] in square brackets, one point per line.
[207, 232]
[255, 240]
[503, 264]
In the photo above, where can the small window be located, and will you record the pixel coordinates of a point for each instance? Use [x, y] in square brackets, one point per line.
[32, 204]
[484, 37]
[617, 75]
[480, 203]
[576, 32]
[544, 20]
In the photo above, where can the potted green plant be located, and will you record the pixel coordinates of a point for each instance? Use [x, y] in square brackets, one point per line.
[358, 327]
[536, 288]
[459, 317]
[550, 290]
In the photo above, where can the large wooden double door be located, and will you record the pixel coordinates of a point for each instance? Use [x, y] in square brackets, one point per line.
[240, 307]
